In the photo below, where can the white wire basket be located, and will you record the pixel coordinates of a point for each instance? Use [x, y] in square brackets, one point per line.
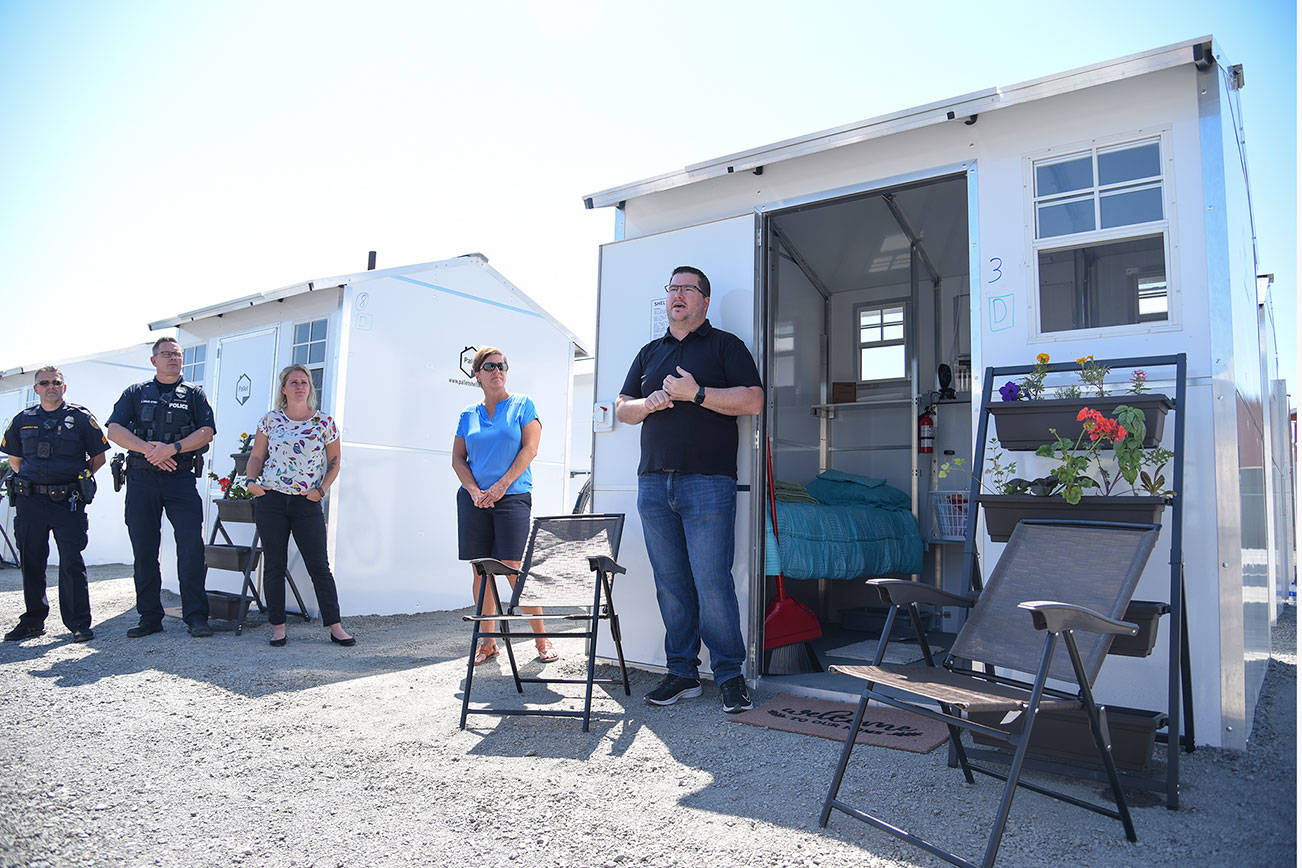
[950, 508]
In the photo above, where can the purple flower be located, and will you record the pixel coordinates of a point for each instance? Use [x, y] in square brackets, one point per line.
[1010, 391]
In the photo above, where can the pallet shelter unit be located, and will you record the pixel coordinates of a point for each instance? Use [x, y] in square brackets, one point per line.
[1101, 211]
[389, 351]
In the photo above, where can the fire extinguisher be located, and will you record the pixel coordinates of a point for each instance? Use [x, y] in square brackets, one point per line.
[926, 433]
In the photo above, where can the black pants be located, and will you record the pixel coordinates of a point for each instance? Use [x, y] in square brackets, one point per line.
[277, 516]
[37, 516]
[149, 493]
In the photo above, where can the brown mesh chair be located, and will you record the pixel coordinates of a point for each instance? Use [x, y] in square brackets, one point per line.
[1058, 585]
[567, 570]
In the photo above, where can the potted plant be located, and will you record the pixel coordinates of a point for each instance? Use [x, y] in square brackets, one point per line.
[1025, 413]
[236, 502]
[241, 458]
[1061, 494]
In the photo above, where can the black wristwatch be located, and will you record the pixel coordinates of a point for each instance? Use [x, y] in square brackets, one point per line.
[700, 395]
[177, 444]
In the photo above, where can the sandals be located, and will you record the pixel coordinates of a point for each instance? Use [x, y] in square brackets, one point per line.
[485, 653]
[547, 653]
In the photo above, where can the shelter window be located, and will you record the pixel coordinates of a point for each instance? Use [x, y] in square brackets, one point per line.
[881, 342]
[1101, 237]
[310, 350]
[194, 360]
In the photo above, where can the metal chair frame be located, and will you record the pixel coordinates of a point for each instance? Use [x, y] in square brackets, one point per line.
[1054, 619]
[489, 569]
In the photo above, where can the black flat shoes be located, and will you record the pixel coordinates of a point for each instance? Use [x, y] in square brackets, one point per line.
[278, 643]
[347, 643]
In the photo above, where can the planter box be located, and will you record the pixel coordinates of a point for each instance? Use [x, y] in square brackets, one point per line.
[1146, 615]
[1004, 511]
[1065, 735]
[224, 605]
[241, 460]
[223, 557]
[1023, 426]
[235, 511]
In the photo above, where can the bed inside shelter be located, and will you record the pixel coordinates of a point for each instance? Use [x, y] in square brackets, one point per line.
[865, 297]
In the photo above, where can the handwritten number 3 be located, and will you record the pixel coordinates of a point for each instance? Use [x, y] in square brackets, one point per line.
[998, 267]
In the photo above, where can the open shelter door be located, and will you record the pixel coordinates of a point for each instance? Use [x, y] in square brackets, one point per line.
[630, 313]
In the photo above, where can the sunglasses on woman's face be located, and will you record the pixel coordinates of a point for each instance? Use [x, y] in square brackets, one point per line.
[493, 366]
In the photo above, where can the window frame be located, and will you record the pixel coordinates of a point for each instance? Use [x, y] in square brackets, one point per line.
[191, 365]
[312, 367]
[882, 304]
[1166, 227]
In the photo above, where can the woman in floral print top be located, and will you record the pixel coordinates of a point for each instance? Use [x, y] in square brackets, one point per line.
[295, 460]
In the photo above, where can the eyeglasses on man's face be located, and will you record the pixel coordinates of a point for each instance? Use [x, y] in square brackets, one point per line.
[493, 366]
[44, 383]
[683, 288]
[171, 355]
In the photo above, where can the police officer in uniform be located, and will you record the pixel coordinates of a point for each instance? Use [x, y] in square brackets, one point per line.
[166, 424]
[55, 449]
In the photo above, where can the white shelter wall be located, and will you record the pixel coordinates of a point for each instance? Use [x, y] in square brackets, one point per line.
[393, 525]
[1249, 388]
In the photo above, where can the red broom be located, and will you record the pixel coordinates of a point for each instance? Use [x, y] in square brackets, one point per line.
[787, 621]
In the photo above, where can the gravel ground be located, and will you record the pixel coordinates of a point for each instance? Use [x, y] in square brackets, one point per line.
[170, 750]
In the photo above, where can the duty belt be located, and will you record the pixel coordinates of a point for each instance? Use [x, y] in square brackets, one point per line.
[54, 492]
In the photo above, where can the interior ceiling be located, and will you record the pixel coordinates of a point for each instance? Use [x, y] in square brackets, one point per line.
[858, 243]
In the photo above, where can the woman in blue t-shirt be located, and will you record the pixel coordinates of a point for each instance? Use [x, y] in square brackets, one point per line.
[495, 443]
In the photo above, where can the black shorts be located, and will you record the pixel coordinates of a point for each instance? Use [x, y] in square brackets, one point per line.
[497, 532]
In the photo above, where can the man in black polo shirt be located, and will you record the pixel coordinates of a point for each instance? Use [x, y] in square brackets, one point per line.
[686, 390]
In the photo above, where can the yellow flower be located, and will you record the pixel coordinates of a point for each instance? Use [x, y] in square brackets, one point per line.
[244, 434]
[1084, 360]
[1042, 359]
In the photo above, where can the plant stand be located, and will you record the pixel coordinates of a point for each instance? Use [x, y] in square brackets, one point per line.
[243, 559]
[1178, 720]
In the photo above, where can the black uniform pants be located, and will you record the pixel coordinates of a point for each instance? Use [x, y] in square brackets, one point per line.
[149, 494]
[36, 517]
[277, 516]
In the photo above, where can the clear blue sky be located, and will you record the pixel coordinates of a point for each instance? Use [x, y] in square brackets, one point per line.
[161, 156]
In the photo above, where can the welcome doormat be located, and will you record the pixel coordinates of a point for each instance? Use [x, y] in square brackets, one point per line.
[883, 727]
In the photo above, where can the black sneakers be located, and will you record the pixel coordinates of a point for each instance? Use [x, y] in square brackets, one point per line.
[199, 629]
[31, 631]
[144, 629]
[673, 688]
[83, 635]
[735, 696]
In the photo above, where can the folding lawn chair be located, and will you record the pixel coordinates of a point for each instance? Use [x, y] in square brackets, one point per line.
[568, 565]
[1057, 584]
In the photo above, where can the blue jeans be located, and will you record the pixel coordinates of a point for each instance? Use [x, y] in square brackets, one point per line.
[688, 522]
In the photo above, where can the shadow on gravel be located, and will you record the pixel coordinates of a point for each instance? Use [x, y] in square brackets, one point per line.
[245, 664]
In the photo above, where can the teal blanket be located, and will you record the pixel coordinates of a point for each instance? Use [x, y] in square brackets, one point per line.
[846, 541]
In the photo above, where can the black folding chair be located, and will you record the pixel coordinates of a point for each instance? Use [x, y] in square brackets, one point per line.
[1057, 585]
[568, 566]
